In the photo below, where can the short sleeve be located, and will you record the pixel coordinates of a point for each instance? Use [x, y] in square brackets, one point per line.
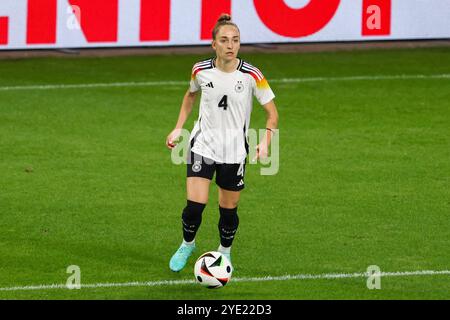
[194, 86]
[262, 90]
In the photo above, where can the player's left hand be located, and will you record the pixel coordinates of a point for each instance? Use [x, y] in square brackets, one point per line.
[262, 151]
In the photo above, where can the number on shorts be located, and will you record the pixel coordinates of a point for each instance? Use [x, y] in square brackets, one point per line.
[240, 171]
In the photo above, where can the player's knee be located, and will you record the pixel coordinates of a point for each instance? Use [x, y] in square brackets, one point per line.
[193, 211]
[228, 204]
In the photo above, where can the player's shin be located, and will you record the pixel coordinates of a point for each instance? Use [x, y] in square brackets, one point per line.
[228, 225]
[191, 218]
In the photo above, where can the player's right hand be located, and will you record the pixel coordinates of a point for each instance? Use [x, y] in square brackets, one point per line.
[171, 140]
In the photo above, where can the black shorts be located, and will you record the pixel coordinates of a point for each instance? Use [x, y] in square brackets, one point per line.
[229, 176]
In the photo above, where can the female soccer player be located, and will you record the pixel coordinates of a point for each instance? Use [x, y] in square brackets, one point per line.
[218, 142]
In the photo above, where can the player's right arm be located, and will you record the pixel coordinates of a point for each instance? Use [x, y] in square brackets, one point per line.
[185, 111]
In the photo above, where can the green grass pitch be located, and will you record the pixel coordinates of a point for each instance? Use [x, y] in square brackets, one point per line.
[364, 179]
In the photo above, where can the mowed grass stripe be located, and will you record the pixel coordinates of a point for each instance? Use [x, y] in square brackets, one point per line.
[184, 83]
[326, 276]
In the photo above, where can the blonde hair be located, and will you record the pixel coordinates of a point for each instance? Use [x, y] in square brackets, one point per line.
[224, 20]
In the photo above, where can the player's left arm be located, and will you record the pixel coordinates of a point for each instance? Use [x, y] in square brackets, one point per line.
[262, 149]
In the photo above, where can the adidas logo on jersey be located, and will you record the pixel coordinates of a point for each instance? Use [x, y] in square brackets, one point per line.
[210, 85]
[241, 183]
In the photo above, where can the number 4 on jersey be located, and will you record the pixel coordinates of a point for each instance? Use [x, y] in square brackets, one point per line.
[223, 103]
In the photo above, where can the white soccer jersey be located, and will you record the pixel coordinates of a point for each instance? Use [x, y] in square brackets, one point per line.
[225, 107]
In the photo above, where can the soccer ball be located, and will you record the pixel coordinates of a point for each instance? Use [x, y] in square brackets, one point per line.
[213, 270]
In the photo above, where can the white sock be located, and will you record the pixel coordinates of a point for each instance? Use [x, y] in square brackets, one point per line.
[189, 243]
[224, 249]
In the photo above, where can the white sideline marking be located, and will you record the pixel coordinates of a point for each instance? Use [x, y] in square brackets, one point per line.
[94, 85]
[186, 83]
[327, 276]
[358, 78]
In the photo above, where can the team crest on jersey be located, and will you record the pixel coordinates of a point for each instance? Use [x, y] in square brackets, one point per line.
[239, 87]
[196, 167]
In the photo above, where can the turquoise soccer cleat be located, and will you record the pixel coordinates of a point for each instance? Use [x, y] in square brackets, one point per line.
[228, 255]
[180, 258]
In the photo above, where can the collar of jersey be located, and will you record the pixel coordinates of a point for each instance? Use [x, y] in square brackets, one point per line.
[213, 64]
